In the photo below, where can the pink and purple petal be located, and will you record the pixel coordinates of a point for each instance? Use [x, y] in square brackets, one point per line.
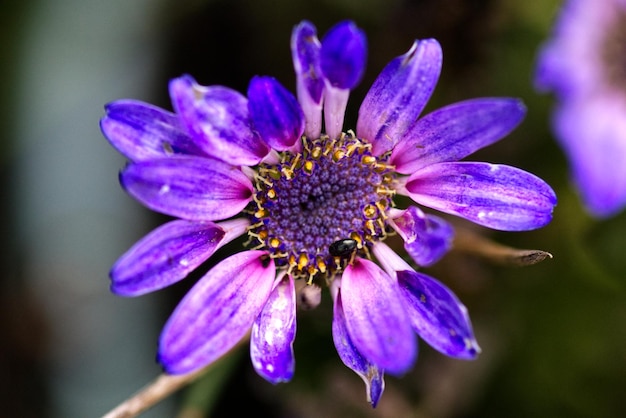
[275, 112]
[399, 95]
[335, 102]
[217, 312]
[437, 315]
[141, 131]
[456, 131]
[496, 196]
[273, 333]
[305, 52]
[375, 318]
[217, 118]
[164, 256]
[372, 375]
[427, 238]
[191, 188]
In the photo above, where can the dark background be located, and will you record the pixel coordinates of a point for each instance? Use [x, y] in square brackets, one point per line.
[553, 334]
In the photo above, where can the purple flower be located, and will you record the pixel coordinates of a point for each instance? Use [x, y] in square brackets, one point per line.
[315, 207]
[583, 64]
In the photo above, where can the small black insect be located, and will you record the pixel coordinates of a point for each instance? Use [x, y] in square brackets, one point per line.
[344, 248]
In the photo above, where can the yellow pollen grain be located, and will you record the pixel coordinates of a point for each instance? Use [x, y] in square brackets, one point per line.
[337, 263]
[303, 260]
[271, 193]
[359, 241]
[380, 167]
[274, 242]
[321, 265]
[261, 213]
[329, 147]
[382, 206]
[316, 152]
[370, 211]
[368, 160]
[351, 149]
[338, 155]
[308, 167]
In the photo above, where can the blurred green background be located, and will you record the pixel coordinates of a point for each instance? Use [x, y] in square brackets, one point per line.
[553, 335]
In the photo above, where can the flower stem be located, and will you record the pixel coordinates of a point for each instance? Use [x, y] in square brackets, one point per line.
[474, 243]
[160, 388]
[165, 385]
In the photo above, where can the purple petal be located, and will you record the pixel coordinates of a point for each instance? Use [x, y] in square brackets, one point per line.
[375, 318]
[217, 117]
[217, 312]
[275, 113]
[456, 131]
[427, 238]
[437, 315]
[343, 55]
[573, 60]
[399, 95]
[273, 333]
[188, 187]
[591, 130]
[389, 260]
[352, 358]
[342, 59]
[164, 256]
[305, 51]
[141, 131]
[496, 196]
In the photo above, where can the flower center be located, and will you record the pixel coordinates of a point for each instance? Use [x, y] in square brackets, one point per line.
[315, 210]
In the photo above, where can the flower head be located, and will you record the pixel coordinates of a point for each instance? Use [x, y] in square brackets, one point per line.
[583, 64]
[316, 207]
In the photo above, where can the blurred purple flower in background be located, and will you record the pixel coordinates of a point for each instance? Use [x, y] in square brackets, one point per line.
[315, 206]
[584, 64]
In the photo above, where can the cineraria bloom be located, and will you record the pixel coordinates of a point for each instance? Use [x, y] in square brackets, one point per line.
[316, 207]
[584, 65]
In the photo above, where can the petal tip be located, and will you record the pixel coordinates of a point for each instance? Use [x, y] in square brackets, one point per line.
[343, 55]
